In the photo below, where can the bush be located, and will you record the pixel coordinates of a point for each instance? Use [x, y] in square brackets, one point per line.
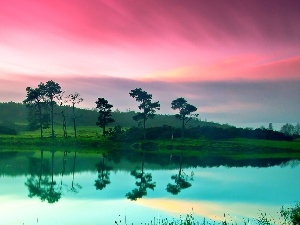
[7, 130]
[149, 146]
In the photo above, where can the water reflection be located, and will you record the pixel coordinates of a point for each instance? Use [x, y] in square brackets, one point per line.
[54, 176]
[144, 182]
[103, 174]
[75, 187]
[44, 168]
[181, 180]
[40, 183]
[64, 166]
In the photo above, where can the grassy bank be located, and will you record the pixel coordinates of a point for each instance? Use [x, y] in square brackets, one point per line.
[233, 148]
[90, 139]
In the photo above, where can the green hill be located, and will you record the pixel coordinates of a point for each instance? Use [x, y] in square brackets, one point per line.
[16, 113]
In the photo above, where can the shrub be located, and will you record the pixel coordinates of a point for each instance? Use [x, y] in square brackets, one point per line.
[7, 130]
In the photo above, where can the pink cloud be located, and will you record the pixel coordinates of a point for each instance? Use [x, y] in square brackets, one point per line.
[157, 45]
[134, 39]
[138, 22]
[242, 67]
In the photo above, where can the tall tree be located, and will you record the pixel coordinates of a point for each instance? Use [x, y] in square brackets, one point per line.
[61, 100]
[104, 117]
[185, 109]
[270, 126]
[52, 90]
[74, 99]
[147, 107]
[36, 103]
[287, 129]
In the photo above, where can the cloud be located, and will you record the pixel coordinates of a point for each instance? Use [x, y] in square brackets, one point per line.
[138, 23]
[194, 40]
[247, 68]
[238, 60]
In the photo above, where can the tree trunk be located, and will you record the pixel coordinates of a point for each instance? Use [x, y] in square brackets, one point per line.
[144, 129]
[41, 120]
[182, 128]
[52, 122]
[74, 121]
[144, 122]
[103, 130]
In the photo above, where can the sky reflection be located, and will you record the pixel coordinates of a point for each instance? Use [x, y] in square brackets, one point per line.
[240, 192]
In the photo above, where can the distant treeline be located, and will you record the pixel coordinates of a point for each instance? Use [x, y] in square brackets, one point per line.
[209, 132]
[11, 112]
[13, 118]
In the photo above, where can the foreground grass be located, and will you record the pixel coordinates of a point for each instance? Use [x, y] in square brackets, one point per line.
[287, 216]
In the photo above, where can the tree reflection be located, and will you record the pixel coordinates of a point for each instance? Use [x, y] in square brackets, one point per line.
[103, 174]
[41, 186]
[75, 187]
[180, 179]
[64, 166]
[144, 182]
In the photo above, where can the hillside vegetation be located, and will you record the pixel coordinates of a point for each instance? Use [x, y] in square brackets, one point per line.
[13, 119]
[11, 112]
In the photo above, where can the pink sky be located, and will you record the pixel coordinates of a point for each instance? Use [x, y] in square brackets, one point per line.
[96, 46]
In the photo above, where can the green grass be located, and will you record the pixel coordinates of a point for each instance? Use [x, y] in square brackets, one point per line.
[89, 138]
[287, 216]
[293, 145]
[82, 131]
[233, 148]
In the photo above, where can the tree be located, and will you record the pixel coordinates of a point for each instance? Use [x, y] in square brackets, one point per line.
[104, 117]
[287, 129]
[61, 100]
[270, 126]
[147, 106]
[36, 103]
[52, 91]
[297, 129]
[74, 99]
[185, 110]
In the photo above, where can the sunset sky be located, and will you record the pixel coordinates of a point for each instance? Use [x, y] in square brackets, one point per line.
[238, 61]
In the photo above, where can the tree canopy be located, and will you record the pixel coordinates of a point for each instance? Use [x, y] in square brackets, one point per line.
[38, 116]
[185, 109]
[147, 107]
[104, 117]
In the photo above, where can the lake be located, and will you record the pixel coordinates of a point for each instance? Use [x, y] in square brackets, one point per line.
[48, 187]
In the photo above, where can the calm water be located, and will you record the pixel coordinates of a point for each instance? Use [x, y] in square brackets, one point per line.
[43, 187]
